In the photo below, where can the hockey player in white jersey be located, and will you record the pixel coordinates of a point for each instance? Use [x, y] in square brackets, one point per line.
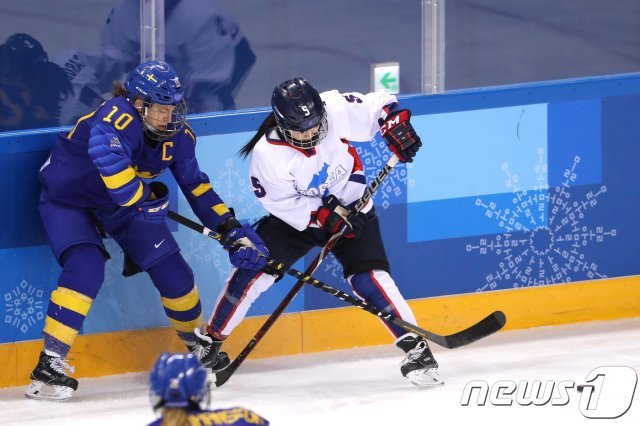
[308, 176]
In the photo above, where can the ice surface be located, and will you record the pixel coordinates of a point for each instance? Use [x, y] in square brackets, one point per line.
[364, 387]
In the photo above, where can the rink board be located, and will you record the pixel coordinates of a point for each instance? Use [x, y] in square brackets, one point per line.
[516, 188]
[103, 354]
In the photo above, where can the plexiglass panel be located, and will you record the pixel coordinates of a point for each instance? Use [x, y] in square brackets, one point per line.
[332, 43]
[50, 61]
[495, 42]
[230, 54]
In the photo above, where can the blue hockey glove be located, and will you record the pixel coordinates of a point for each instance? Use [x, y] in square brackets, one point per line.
[246, 248]
[400, 135]
[156, 210]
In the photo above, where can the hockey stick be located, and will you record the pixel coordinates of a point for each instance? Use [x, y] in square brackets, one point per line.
[489, 325]
[223, 375]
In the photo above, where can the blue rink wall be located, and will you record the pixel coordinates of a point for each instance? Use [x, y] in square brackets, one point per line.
[519, 186]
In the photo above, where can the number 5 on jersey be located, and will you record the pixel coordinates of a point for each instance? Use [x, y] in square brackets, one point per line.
[258, 189]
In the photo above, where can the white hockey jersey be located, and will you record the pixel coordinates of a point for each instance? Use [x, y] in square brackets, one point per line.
[290, 182]
[82, 69]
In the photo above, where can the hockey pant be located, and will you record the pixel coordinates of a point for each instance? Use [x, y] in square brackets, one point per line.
[363, 260]
[243, 288]
[81, 279]
[81, 254]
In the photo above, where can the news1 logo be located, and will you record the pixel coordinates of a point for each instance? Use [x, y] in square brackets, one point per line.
[607, 393]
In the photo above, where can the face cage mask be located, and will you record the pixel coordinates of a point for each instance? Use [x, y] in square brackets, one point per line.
[309, 141]
[178, 117]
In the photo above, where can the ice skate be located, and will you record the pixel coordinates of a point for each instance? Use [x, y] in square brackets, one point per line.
[207, 350]
[419, 365]
[50, 381]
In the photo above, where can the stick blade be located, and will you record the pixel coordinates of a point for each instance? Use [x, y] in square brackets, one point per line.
[220, 377]
[486, 327]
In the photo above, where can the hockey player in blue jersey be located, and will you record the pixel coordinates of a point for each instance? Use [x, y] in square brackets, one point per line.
[95, 183]
[179, 389]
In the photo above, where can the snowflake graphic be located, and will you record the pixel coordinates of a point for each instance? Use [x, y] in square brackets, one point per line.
[534, 250]
[331, 265]
[23, 306]
[196, 248]
[232, 184]
[373, 159]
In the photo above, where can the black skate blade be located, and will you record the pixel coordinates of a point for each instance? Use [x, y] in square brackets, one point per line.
[486, 327]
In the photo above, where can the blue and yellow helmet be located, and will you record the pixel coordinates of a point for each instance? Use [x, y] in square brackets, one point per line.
[156, 82]
[178, 380]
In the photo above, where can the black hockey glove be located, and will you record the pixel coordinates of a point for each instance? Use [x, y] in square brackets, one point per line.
[154, 210]
[357, 223]
[400, 136]
[333, 216]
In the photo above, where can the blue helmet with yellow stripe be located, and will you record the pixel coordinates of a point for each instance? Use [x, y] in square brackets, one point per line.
[178, 380]
[156, 82]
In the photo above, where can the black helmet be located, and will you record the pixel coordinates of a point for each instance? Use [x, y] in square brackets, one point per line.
[298, 108]
[19, 54]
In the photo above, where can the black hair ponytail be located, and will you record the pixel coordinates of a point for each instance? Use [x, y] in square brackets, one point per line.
[268, 123]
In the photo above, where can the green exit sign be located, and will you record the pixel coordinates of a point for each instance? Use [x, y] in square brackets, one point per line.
[385, 76]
